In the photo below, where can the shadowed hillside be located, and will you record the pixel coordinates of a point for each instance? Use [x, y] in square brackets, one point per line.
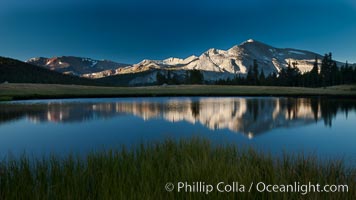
[14, 71]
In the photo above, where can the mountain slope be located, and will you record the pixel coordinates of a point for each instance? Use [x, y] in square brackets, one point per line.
[75, 65]
[217, 64]
[15, 71]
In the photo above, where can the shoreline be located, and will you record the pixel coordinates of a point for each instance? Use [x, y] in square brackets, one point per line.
[9, 92]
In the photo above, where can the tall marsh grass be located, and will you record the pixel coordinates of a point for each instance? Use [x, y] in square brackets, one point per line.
[142, 173]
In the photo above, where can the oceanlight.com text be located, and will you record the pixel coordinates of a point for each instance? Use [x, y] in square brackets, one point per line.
[295, 187]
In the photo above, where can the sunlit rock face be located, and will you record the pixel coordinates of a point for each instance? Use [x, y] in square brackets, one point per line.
[248, 116]
[215, 64]
[78, 66]
[234, 61]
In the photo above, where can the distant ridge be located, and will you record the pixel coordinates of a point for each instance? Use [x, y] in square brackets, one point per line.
[214, 63]
[15, 71]
[75, 65]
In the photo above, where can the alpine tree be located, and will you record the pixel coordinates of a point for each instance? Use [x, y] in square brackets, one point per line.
[325, 70]
[196, 77]
[321, 75]
[161, 79]
[255, 72]
[262, 78]
[314, 74]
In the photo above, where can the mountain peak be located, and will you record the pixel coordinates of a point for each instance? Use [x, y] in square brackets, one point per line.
[248, 41]
[214, 51]
[75, 65]
[35, 59]
[253, 42]
[215, 63]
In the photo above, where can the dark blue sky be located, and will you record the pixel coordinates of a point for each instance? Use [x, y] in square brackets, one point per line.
[131, 30]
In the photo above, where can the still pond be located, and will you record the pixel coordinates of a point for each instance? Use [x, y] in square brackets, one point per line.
[319, 126]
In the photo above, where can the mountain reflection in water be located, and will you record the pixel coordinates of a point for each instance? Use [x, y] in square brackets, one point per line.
[249, 116]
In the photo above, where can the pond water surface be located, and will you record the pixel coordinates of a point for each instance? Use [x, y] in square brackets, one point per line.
[319, 126]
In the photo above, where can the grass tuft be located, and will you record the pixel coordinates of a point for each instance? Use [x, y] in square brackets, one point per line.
[142, 172]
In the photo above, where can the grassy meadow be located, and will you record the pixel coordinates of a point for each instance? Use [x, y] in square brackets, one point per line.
[43, 91]
[143, 171]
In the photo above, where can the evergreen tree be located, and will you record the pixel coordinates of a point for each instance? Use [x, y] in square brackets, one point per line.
[295, 75]
[249, 77]
[289, 76]
[347, 74]
[262, 78]
[196, 77]
[169, 77]
[160, 78]
[252, 74]
[314, 74]
[325, 70]
[283, 76]
[255, 72]
[334, 76]
[326, 74]
[187, 78]
[354, 75]
[272, 79]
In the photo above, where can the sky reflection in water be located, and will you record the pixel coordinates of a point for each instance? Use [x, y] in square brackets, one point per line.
[324, 127]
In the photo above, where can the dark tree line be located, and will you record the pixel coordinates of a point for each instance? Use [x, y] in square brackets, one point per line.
[327, 74]
[167, 78]
[194, 77]
[190, 77]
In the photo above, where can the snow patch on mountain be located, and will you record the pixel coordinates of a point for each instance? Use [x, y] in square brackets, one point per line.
[77, 66]
[296, 52]
[231, 62]
[214, 63]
